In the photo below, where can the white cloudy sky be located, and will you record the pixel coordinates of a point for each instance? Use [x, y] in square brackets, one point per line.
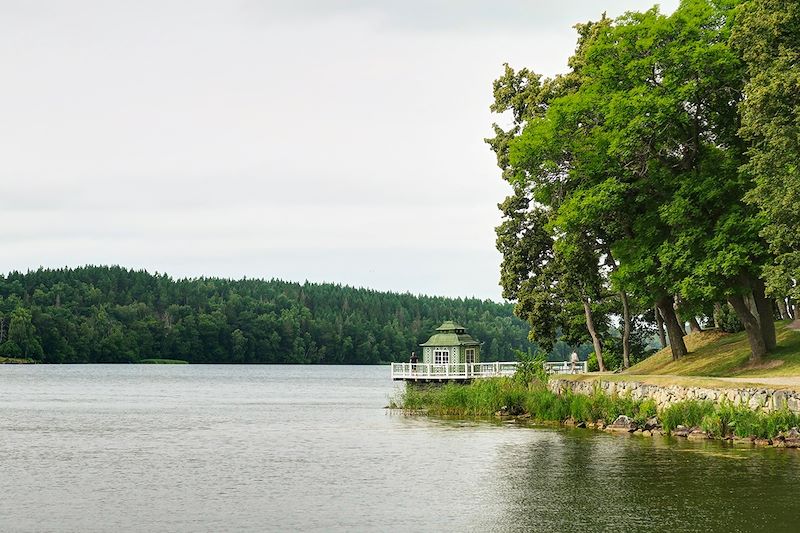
[328, 140]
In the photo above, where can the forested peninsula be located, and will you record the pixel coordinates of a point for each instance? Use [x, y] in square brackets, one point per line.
[99, 314]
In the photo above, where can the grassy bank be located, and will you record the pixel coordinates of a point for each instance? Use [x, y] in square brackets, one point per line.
[510, 397]
[717, 354]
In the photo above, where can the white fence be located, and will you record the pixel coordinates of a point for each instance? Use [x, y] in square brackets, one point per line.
[425, 371]
[565, 367]
[464, 371]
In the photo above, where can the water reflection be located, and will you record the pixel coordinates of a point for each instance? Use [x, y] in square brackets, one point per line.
[576, 480]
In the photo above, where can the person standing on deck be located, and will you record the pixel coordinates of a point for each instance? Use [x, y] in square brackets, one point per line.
[413, 361]
[573, 359]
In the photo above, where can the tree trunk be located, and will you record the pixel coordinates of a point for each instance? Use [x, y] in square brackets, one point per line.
[766, 318]
[782, 308]
[674, 329]
[662, 336]
[681, 322]
[791, 309]
[598, 346]
[754, 334]
[694, 325]
[717, 313]
[626, 330]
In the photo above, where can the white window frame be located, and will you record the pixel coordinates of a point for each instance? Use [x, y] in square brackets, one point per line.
[441, 356]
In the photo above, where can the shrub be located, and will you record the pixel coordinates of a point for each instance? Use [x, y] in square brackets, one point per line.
[719, 424]
[745, 422]
[530, 368]
[645, 409]
[769, 425]
[688, 413]
[591, 363]
[727, 319]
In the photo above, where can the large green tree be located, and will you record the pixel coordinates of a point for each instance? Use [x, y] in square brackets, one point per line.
[636, 154]
[767, 35]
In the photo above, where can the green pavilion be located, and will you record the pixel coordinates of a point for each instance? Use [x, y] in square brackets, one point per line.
[451, 344]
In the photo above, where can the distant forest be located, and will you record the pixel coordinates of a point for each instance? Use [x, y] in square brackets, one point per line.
[99, 314]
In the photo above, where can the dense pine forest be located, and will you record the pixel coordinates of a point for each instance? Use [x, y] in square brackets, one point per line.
[115, 315]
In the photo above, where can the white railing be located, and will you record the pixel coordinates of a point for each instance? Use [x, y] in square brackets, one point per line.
[459, 371]
[565, 367]
[425, 371]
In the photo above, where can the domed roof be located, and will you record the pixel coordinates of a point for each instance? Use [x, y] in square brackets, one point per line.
[451, 334]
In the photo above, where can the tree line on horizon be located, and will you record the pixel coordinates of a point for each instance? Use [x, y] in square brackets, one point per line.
[657, 182]
[98, 314]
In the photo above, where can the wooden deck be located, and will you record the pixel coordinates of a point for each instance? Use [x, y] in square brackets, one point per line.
[468, 371]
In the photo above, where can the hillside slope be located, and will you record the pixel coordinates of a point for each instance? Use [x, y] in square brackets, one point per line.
[717, 354]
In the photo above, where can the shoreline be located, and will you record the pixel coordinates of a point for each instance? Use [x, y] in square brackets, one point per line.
[612, 409]
[623, 428]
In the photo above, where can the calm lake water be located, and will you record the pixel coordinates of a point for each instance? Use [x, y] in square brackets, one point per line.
[309, 448]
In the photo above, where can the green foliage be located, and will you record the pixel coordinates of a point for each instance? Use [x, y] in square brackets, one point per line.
[724, 420]
[748, 423]
[767, 35]
[647, 409]
[728, 321]
[720, 423]
[22, 335]
[689, 413]
[111, 314]
[591, 363]
[627, 172]
[10, 349]
[481, 398]
[487, 396]
[530, 368]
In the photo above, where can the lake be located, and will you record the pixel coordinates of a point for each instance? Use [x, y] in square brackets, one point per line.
[311, 448]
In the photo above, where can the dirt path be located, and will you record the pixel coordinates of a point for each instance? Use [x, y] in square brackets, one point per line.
[792, 381]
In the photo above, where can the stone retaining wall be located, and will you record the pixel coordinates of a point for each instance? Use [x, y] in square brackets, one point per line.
[762, 399]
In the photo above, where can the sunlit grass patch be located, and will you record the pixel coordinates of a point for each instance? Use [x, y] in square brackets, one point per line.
[718, 354]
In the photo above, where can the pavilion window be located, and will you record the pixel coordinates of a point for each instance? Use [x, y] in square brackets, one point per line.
[441, 357]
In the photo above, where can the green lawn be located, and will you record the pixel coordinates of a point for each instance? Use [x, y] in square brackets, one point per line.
[717, 354]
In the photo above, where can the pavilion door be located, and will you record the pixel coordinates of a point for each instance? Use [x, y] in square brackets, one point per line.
[469, 356]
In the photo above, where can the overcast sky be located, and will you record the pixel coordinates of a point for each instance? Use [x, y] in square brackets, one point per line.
[326, 140]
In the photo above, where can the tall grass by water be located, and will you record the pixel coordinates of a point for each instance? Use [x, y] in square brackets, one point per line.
[486, 397]
[515, 397]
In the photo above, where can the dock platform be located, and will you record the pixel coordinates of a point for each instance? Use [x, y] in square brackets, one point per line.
[463, 372]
